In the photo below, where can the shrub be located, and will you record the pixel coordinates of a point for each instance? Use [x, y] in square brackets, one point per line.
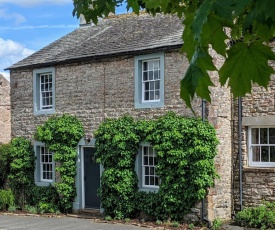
[5, 159]
[44, 199]
[217, 224]
[6, 199]
[262, 217]
[21, 169]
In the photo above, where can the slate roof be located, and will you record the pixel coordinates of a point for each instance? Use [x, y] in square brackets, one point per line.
[116, 35]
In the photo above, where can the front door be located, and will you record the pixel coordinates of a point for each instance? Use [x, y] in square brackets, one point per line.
[91, 178]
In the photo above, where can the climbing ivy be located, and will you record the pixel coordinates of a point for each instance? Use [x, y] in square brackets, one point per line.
[116, 147]
[21, 168]
[61, 135]
[185, 151]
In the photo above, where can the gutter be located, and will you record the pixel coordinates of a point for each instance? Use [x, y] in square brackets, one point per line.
[240, 151]
[204, 218]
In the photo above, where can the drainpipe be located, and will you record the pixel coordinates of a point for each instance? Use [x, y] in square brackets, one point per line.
[209, 224]
[240, 151]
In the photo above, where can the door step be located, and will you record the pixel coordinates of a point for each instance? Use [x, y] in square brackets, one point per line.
[90, 214]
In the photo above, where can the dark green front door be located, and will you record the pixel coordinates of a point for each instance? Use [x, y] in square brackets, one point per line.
[91, 178]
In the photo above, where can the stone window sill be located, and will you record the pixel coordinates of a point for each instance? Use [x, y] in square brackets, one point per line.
[264, 170]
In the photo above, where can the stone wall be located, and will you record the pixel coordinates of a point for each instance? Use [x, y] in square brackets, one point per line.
[5, 113]
[258, 183]
[94, 91]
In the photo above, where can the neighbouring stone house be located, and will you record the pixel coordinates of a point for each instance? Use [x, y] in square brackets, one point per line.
[5, 110]
[132, 64]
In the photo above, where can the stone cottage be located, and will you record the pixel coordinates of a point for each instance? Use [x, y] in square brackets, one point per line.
[5, 110]
[132, 64]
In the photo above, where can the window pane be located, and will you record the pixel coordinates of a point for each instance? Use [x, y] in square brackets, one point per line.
[156, 74]
[146, 96]
[152, 85]
[265, 154]
[157, 86]
[255, 136]
[272, 136]
[146, 180]
[145, 76]
[156, 64]
[272, 153]
[151, 73]
[152, 180]
[152, 95]
[147, 85]
[152, 170]
[146, 170]
[256, 153]
[150, 65]
[263, 135]
[145, 150]
[145, 66]
[157, 95]
[151, 160]
[145, 160]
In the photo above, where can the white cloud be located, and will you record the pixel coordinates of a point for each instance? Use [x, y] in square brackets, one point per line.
[18, 18]
[31, 3]
[11, 52]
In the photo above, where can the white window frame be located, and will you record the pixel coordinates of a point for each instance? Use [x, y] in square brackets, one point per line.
[46, 163]
[250, 145]
[144, 166]
[38, 174]
[38, 106]
[140, 102]
[150, 81]
[140, 170]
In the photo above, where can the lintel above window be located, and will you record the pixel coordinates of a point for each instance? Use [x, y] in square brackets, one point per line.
[44, 91]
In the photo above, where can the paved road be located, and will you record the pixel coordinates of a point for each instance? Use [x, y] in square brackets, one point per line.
[60, 223]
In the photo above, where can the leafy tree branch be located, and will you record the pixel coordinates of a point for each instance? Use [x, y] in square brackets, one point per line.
[239, 30]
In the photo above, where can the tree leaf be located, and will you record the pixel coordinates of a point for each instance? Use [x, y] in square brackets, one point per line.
[189, 44]
[213, 34]
[247, 64]
[201, 17]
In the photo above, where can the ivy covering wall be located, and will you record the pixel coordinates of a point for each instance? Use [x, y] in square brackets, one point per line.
[61, 135]
[185, 151]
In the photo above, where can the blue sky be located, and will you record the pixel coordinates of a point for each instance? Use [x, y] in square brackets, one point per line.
[28, 25]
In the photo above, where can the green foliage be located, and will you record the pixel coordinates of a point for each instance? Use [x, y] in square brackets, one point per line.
[175, 224]
[6, 199]
[262, 217]
[185, 149]
[158, 222]
[61, 135]
[21, 168]
[217, 224]
[248, 25]
[44, 199]
[31, 209]
[116, 147]
[5, 151]
[108, 218]
[191, 226]
[12, 208]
